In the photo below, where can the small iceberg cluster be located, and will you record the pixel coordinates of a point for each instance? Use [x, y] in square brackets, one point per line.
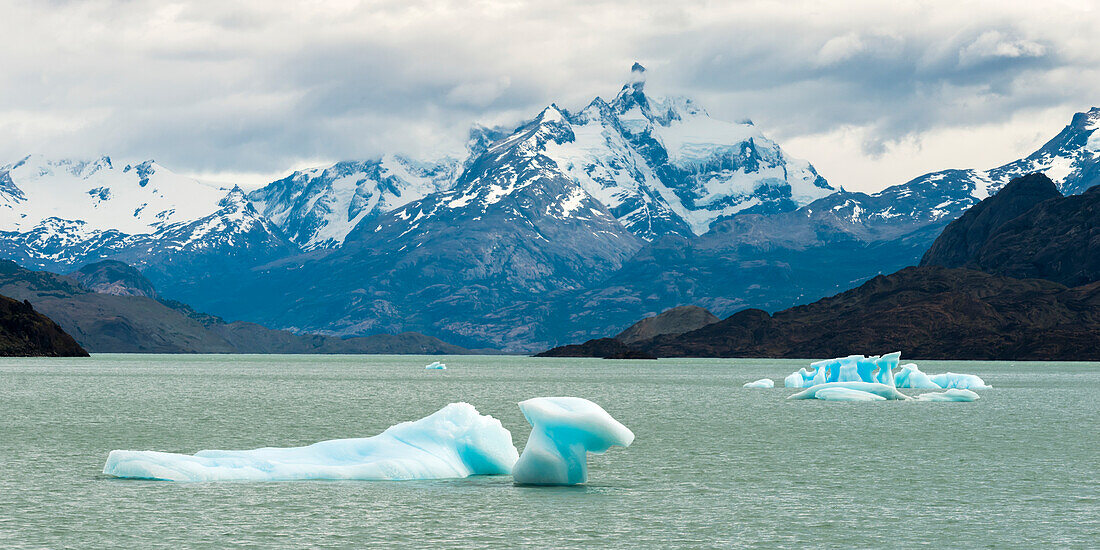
[454, 442]
[436, 366]
[762, 383]
[563, 431]
[861, 378]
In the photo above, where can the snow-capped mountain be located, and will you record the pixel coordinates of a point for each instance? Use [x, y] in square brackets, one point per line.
[661, 166]
[664, 166]
[1071, 159]
[132, 198]
[317, 208]
[572, 224]
[513, 228]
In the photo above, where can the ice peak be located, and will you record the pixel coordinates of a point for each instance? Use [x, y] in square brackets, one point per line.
[1089, 120]
[235, 197]
[636, 84]
[551, 114]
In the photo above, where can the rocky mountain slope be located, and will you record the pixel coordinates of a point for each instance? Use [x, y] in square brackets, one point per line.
[928, 312]
[116, 319]
[677, 320]
[1028, 230]
[26, 333]
[946, 313]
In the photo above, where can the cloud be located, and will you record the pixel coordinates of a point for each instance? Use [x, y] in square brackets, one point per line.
[993, 45]
[208, 86]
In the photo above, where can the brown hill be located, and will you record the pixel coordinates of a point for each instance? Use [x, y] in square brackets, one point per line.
[26, 333]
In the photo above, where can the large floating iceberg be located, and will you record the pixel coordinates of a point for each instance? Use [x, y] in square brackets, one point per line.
[436, 366]
[876, 370]
[453, 442]
[563, 431]
[854, 368]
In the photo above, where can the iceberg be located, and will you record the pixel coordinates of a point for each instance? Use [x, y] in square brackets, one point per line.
[436, 366]
[911, 377]
[846, 394]
[762, 383]
[952, 394]
[959, 381]
[563, 431]
[878, 389]
[854, 368]
[877, 370]
[454, 442]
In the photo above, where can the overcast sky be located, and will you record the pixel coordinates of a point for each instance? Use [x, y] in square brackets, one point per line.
[872, 93]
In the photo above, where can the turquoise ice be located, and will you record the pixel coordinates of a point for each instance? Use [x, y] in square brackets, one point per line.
[878, 370]
[454, 442]
[436, 366]
[563, 431]
[854, 368]
[912, 377]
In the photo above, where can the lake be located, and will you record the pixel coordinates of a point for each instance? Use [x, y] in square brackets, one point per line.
[713, 464]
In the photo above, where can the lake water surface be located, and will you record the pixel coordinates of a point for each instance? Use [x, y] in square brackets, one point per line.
[713, 465]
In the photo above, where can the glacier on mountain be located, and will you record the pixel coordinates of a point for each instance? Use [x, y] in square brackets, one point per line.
[454, 442]
[133, 199]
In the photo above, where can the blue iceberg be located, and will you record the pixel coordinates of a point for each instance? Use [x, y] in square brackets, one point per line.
[846, 394]
[854, 368]
[876, 370]
[959, 381]
[436, 366]
[454, 442]
[875, 388]
[952, 394]
[762, 383]
[912, 377]
[563, 431]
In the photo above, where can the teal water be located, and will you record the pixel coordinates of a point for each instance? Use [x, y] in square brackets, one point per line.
[713, 465]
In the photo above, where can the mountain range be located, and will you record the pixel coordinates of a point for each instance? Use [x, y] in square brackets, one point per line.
[573, 224]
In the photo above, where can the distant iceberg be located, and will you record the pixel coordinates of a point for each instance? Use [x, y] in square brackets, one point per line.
[454, 442]
[563, 431]
[875, 370]
[762, 383]
[950, 395]
[436, 366]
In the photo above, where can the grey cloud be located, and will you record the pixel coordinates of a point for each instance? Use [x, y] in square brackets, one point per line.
[211, 86]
